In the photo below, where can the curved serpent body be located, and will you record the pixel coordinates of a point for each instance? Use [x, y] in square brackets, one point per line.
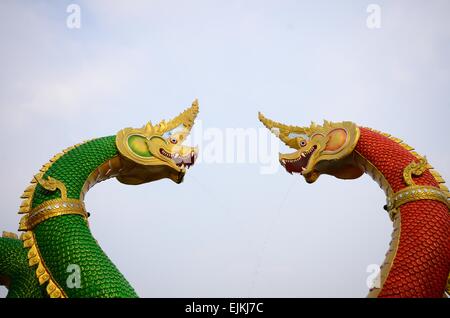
[17, 276]
[421, 240]
[418, 261]
[59, 257]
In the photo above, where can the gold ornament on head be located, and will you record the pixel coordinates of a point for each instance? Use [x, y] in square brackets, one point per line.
[156, 151]
[284, 132]
[184, 120]
[318, 148]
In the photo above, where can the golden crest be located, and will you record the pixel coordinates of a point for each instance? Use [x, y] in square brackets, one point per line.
[134, 143]
[317, 147]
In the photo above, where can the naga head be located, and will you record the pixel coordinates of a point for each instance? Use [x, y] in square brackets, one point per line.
[319, 149]
[156, 151]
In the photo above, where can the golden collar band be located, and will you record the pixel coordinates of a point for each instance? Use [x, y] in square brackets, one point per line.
[415, 193]
[50, 209]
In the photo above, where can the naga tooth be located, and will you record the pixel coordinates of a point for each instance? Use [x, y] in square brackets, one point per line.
[303, 155]
[303, 169]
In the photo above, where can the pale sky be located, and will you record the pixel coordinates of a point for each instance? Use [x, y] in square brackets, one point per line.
[227, 230]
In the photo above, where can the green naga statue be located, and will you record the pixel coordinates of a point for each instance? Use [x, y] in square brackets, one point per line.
[57, 239]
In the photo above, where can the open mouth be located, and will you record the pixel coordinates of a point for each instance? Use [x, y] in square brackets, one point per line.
[299, 164]
[181, 161]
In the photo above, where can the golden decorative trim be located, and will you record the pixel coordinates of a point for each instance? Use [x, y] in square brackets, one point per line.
[50, 209]
[414, 168]
[284, 132]
[42, 274]
[390, 256]
[293, 135]
[379, 178]
[435, 174]
[447, 289]
[109, 169]
[28, 194]
[374, 173]
[10, 235]
[184, 119]
[415, 193]
[52, 184]
[27, 197]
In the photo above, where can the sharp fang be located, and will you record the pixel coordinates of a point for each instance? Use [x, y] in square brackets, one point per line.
[303, 169]
[303, 155]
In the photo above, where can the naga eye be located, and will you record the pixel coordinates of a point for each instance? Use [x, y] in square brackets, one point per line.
[173, 140]
[303, 143]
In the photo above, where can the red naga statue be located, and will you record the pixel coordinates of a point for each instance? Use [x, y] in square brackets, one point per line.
[418, 261]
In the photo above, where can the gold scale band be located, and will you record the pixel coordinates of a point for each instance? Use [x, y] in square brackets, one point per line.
[53, 208]
[415, 193]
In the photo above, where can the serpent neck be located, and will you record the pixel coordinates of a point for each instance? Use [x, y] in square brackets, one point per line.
[68, 252]
[74, 168]
[418, 261]
[389, 156]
